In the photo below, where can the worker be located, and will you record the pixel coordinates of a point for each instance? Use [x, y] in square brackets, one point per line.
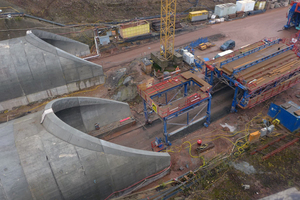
[177, 70]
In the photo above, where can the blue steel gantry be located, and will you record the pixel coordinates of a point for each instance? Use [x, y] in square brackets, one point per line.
[256, 72]
[173, 107]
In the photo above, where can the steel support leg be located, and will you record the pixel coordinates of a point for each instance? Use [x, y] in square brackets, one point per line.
[185, 89]
[145, 110]
[206, 124]
[234, 101]
[166, 133]
[211, 82]
[187, 118]
[166, 98]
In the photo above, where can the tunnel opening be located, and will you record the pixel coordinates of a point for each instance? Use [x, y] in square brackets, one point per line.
[109, 116]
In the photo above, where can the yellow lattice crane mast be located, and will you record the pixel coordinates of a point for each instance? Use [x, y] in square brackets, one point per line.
[167, 31]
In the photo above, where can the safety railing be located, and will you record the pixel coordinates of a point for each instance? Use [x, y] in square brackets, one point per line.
[165, 111]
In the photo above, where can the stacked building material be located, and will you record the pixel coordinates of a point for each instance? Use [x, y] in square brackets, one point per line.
[271, 4]
[156, 25]
[258, 72]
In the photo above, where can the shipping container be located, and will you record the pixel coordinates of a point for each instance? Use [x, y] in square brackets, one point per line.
[198, 15]
[260, 5]
[221, 10]
[225, 9]
[188, 57]
[231, 8]
[245, 6]
[134, 29]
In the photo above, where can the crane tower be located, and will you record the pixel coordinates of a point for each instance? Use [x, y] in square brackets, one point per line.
[167, 31]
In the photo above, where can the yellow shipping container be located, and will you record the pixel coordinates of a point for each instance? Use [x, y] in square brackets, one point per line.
[197, 13]
[134, 29]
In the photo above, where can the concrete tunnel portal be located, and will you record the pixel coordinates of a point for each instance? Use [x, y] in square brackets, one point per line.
[51, 156]
[42, 65]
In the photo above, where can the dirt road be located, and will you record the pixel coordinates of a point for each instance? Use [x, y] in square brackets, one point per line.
[243, 31]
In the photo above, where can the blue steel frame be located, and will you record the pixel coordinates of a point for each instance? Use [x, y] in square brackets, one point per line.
[231, 80]
[182, 111]
[186, 110]
[262, 59]
[249, 52]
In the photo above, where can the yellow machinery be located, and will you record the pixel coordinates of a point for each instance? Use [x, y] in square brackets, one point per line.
[206, 45]
[167, 31]
[253, 137]
[276, 122]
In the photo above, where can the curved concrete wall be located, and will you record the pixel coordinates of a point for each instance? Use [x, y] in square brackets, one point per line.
[53, 160]
[66, 44]
[85, 112]
[32, 69]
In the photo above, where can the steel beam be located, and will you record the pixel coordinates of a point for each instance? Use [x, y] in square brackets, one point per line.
[208, 111]
[261, 60]
[165, 91]
[280, 148]
[198, 65]
[234, 101]
[249, 52]
[145, 110]
[187, 110]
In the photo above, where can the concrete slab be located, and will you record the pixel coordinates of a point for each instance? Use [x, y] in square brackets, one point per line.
[289, 194]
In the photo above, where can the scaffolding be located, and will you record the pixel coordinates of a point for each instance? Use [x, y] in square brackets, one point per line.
[172, 107]
[256, 72]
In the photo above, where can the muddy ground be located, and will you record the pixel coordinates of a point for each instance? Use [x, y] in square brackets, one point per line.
[224, 181]
[227, 179]
[227, 182]
[92, 11]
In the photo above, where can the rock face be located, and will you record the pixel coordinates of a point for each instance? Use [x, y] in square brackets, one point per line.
[47, 157]
[126, 93]
[42, 65]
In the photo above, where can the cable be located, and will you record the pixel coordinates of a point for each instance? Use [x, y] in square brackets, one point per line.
[140, 181]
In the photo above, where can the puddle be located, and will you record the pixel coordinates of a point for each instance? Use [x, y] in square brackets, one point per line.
[244, 167]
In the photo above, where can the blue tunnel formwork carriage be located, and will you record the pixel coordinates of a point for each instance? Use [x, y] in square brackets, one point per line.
[171, 106]
[256, 72]
[293, 16]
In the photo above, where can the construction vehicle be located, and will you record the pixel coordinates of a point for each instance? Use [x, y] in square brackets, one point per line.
[206, 45]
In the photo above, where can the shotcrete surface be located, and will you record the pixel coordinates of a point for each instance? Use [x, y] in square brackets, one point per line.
[53, 160]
